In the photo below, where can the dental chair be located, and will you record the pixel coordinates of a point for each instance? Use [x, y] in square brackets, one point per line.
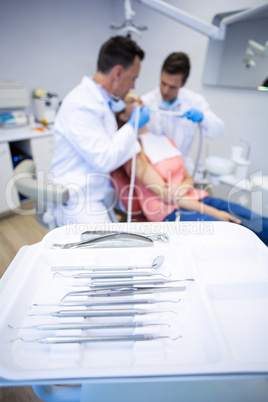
[48, 195]
[36, 187]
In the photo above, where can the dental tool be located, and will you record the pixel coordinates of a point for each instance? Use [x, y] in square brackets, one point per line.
[100, 313]
[105, 303]
[90, 325]
[156, 264]
[124, 292]
[122, 284]
[167, 112]
[84, 339]
[112, 275]
[92, 234]
[110, 240]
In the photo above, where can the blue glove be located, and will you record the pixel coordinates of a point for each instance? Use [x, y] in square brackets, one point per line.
[195, 115]
[143, 118]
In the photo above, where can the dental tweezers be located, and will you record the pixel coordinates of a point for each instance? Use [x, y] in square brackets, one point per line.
[92, 234]
[110, 240]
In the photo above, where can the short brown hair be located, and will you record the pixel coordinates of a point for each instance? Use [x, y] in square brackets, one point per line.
[177, 63]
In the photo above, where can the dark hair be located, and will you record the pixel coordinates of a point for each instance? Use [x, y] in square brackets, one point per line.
[118, 50]
[177, 63]
[119, 121]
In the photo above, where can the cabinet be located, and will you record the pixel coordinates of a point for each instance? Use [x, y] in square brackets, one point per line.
[9, 198]
[36, 145]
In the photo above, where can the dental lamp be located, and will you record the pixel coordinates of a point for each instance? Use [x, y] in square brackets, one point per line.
[210, 30]
[128, 27]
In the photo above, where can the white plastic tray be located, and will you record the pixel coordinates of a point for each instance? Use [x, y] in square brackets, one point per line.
[222, 315]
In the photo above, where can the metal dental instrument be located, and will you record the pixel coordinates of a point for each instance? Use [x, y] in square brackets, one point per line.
[106, 302]
[168, 112]
[90, 325]
[125, 292]
[110, 240]
[123, 284]
[100, 313]
[156, 264]
[112, 275]
[92, 234]
[84, 339]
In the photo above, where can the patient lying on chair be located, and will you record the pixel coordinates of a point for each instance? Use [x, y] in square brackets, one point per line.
[164, 188]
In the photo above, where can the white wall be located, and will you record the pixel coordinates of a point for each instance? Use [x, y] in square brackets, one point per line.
[51, 44]
[245, 112]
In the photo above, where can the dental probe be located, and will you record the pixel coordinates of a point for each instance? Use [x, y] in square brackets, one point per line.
[100, 313]
[90, 325]
[83, 339]
[111, 275]
[122, 284]
[126, 292]
[157, 263]
[105, 303]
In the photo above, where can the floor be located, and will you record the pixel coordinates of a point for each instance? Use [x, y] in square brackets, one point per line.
[17, 230]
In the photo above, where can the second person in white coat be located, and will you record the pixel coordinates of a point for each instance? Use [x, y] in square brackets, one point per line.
[172, 95]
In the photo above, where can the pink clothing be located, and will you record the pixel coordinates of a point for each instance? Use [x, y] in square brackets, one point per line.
[172, 171]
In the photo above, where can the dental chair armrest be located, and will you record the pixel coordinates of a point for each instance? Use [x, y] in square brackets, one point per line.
[38, 188]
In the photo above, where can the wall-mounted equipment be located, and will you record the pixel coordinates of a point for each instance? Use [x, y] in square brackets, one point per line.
[253, 51]
[230, 34]
[217, 30]
[239, 61]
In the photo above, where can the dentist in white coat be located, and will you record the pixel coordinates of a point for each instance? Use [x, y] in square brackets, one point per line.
[88, 144]
[171, 95]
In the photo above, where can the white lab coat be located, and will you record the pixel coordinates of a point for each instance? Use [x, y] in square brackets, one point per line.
[182, 130]
[88, 146]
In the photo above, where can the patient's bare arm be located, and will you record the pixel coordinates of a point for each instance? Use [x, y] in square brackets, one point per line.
[193, 205]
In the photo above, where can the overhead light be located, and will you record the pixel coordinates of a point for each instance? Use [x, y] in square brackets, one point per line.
[264, 86]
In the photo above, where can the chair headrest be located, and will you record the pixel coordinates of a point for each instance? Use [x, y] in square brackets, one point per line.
[37, 187]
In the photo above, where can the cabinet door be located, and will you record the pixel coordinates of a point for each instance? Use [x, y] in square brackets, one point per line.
[42, 152]
[9, 198]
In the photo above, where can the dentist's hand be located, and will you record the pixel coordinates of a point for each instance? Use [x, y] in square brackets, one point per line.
[143, 118]
[195, 115]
